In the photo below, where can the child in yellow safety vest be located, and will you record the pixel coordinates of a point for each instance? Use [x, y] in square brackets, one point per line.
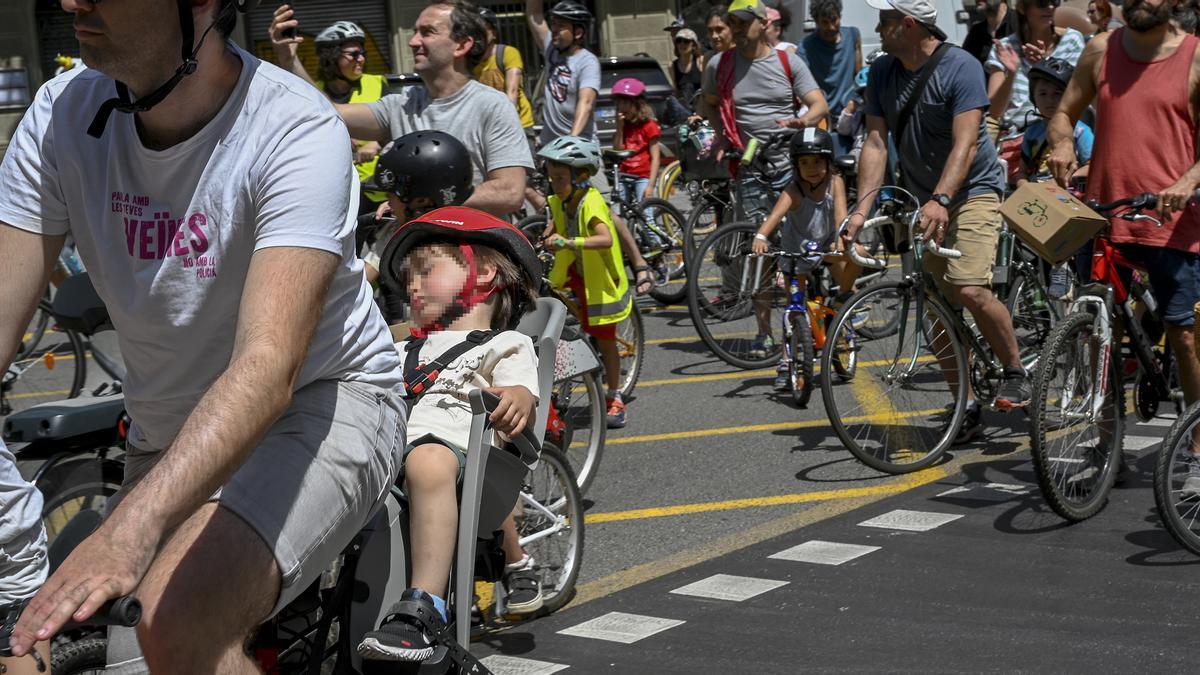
[587, 257]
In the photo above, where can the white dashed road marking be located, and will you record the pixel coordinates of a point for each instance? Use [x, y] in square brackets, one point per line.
[912, 521]
[823, 552]
[1140, 442]
[729, 587]
[511, 665]
[621, 627]
[998, 487]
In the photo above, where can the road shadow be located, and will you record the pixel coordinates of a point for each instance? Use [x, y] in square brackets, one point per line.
[808, 474]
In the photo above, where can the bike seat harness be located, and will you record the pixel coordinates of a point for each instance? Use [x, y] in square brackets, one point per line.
[419, 378]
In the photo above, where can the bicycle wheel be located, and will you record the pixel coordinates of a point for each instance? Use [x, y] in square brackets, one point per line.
[53, 370]
[800, 369]
[706, 216]
[77, 483]
[1033, 315]
[1076, 453]
[533, 227]
[844, 350]
[80, 657]
[36, 329]
[732, 297]
[579, 404]
[550, 527]
[668, 180]
[631, 345]
[1177, 480]
[906, 401]
[666, 265]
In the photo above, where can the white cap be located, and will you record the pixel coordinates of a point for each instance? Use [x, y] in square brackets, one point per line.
[922, 10]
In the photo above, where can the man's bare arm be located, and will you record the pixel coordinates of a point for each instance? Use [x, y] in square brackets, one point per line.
[535, 15]
[583, 110]
[965, 133]
[512, 84]
[26, 261]
[1060, 132]
[361, 122]
[871, 164]
[818, 108]
[501, 193]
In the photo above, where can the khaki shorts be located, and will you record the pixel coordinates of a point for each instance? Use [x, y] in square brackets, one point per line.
[975, 230]
[311, 484]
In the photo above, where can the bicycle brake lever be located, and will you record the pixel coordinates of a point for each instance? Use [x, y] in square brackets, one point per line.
[1141, 216]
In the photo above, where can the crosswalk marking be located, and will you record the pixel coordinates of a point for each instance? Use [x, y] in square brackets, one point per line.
[729, 587]
[511, 665]
[1140, 442]
[1157, 422]
[823, 552]
[912, 521]
[621, 627]
[998, 487]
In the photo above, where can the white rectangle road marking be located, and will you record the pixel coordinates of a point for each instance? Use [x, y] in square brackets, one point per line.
[823, 552]
[912, 521]
[1140, 442]
[511, 665]
[729, 587]
[1160, 421]
[621, 627]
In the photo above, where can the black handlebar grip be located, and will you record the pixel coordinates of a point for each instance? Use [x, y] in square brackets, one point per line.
[123, 611]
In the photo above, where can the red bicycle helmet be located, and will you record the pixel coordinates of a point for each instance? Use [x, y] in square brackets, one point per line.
[465, 227]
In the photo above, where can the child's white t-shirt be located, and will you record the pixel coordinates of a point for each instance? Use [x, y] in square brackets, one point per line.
[444, 411]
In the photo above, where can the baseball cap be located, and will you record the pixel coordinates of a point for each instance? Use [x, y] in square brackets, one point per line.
[687, 34]
[676, 24]
[751, 9]
[921, 10]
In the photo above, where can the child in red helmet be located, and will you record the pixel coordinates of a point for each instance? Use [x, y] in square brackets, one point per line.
[637, 131]
[468, 277]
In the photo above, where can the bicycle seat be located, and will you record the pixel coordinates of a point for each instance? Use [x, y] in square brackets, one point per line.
[846, 164]
[78, 307]
[617, 155]
[69, 418]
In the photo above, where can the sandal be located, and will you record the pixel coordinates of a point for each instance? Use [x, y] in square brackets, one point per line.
[642, 276]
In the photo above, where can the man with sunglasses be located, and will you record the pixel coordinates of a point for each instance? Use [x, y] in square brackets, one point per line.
[342, 56]
[950, 164]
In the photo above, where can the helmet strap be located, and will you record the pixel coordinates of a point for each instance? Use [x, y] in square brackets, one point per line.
[122, 103]
[466, 300]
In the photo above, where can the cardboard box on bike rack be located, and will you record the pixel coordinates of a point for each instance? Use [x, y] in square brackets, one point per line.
[1050, 220]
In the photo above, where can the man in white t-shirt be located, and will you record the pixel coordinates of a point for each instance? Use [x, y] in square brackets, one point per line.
[218, 228]
[448, 40]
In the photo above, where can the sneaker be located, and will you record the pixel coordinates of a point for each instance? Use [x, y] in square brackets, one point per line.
[972, 425]
[616, 413]
[859, 318]
[523, 587]
[1191, 484]
[1015, 390]
[401, 636]
[783, 380]
[762, 347]
[1060, 282]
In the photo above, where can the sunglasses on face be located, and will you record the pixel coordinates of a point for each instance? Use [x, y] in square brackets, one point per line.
[890, 17]
[1043, 4]
[355, 54]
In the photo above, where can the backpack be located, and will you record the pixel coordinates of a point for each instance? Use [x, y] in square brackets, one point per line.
[728, 108]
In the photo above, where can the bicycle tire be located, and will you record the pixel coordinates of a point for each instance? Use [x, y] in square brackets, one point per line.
[631, 340]
[578, 414]
[665, 184]
[731, 309]
[19, 388]
[703, 219]
[1175, 454]
[844, 352]
[1061, 490]
[553, 485]
[1033, 316]
[673, 257]
[876, 392]
[39, 323]
[800, 369]
[72, 484]
[79, 657]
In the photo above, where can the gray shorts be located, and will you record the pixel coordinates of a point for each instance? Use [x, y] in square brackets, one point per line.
[23, 559]
[309, 486]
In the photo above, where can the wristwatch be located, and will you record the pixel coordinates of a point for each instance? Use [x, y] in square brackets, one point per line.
[942, 200]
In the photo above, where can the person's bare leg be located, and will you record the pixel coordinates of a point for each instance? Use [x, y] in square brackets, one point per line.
[430, 480]
[612, 363]
[630, 248]
[1183, 345]
[512, 541]
[210, 587]
[994, 322]
[27, 665]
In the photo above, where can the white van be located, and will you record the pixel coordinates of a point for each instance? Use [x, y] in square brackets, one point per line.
[953, 18]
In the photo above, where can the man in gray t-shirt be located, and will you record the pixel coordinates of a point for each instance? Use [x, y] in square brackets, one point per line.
[951, 166]
[768, 98]
[449, 100]
[572, 72]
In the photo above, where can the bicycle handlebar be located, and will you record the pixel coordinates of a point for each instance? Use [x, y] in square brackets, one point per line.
[1142, 202]
[852, 250]
[123, 611]
[938, 250]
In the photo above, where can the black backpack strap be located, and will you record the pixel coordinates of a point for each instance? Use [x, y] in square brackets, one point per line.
[418, 379]
[500, 60]
[910, 103]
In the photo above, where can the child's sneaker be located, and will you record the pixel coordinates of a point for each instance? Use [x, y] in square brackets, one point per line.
[762, 347]
[523, 587]
[402, 636]
[783, 380]
[1060, 282]
[616, 413]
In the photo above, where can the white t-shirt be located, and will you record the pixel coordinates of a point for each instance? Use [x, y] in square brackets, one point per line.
[506, 360]
[168, 235]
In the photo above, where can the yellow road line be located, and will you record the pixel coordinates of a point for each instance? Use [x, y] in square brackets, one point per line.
[37, 394]
[752, 428]
[745, 374]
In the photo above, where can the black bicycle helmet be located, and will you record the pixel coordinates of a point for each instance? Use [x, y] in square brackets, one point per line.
[430, 164]
[489, 16]
[811, 141]
[1052, 69]
[465, 227]
[571, 11]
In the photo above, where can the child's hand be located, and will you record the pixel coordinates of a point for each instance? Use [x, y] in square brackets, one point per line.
[556, 242]
[759, 246]
[515, 409]
[649, 190]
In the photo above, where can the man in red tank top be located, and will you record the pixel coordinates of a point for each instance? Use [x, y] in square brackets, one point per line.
[1145, 80]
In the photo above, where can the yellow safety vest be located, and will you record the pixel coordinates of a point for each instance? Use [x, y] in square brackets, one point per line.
[605, 285]
[369, 89]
